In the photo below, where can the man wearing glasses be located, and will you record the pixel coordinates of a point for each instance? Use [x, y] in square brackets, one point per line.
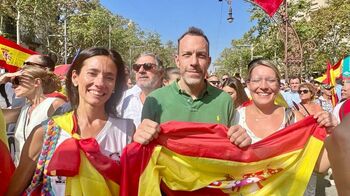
[148, 70]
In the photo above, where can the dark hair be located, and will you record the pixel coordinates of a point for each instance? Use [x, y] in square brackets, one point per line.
[46, 61]
[193, 31]
[120, 83]
[237, 85]
[169, 71]
[293, 78]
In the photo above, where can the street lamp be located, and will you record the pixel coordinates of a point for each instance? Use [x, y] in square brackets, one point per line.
[65, 32]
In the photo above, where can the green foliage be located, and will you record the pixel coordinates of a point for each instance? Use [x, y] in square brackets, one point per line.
[328, 27]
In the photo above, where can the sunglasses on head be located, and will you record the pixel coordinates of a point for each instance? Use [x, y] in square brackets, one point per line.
[146, 66]
[303, 91]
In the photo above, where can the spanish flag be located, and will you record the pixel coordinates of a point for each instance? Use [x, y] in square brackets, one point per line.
[12, 55]
[198, 159]
[88, 171]
[6, 165]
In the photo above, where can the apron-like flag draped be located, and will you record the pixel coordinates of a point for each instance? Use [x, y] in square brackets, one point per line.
[12, 55]
[198, 159]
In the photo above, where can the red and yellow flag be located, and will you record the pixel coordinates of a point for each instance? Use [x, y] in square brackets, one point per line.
[12, 55]
[198, 159]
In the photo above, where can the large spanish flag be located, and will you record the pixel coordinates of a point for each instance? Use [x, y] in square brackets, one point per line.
[6, 164]
[12, 55]
[198, 159]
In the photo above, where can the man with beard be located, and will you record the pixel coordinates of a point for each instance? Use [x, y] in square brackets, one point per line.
[191, 98]
[148, 70]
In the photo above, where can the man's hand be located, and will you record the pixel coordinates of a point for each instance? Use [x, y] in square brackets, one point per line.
[238, 136]
[147, 131]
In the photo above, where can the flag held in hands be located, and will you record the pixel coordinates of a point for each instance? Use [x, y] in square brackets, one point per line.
[198, 159]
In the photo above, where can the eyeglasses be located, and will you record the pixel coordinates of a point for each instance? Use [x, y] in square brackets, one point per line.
[303, 91]
[269, 81]
[146, 66]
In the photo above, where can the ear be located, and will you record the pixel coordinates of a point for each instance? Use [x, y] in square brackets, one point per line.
[37, 82]
[75, 78]
[177, 62]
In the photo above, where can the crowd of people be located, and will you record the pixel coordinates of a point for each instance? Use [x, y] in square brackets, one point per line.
[102, 113]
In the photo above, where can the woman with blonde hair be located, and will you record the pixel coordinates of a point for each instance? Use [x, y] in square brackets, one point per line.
[32, 83]
[307, 95]
[263, 117]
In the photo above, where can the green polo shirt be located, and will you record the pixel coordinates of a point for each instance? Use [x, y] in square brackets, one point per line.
[171, 103]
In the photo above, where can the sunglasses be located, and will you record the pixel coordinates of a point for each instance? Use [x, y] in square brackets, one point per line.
[303, 91]
[146, 66]
[15, 81]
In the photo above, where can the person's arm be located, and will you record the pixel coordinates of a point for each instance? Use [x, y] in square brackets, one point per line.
[27, 164]
[11, 115]
[338, 145]
[54, 106]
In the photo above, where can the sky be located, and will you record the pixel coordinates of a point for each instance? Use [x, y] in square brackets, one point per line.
[171, 18]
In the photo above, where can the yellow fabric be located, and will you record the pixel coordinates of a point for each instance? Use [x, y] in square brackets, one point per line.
[3, 136]
[288, 173]
[17, 57]
[89, 181]
[279, 100]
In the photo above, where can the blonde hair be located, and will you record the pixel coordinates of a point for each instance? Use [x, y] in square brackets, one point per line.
[263, 62]
[50, 81]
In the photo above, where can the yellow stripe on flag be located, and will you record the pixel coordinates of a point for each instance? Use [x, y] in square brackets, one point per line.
[286, 174]
[90, 182]
[3, 136]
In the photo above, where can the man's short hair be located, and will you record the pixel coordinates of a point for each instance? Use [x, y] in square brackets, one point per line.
[47, 62]
[159, 62]
[293, 78]
[193, 31]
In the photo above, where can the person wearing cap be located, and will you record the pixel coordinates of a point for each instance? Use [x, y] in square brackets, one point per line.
[325, 100]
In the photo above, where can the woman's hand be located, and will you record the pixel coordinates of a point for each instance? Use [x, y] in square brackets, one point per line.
[8, 76]
[327, 120]
[239, 136]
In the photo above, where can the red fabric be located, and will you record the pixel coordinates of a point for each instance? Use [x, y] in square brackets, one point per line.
[66, 159]
[57, 95]
[11, 44]
[210, 140]
[6, 168]
[344, 110]
[269, 6]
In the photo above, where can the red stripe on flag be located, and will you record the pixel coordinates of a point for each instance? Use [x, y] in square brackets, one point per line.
[269, 6]
[13, 45]
[6, 168]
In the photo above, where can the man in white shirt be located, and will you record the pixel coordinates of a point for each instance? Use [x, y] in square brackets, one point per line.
[148, 71]
[345, 95]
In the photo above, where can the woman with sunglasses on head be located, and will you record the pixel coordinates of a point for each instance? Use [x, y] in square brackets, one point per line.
[307, 95]
[263, 117]
[31, 83]
[77, 153]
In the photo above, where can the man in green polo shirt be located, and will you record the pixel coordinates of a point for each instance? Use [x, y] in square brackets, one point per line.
[191, 98]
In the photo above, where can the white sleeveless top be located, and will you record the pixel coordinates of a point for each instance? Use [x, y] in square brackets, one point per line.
[26, 124]
[113, 137]
[240, 118]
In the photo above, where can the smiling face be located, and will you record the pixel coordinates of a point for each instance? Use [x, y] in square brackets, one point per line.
[305, 94]
[263, 85]
[96, 81]
[193, 60]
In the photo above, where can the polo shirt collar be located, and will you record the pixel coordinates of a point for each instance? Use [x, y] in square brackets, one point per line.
[209, 89]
